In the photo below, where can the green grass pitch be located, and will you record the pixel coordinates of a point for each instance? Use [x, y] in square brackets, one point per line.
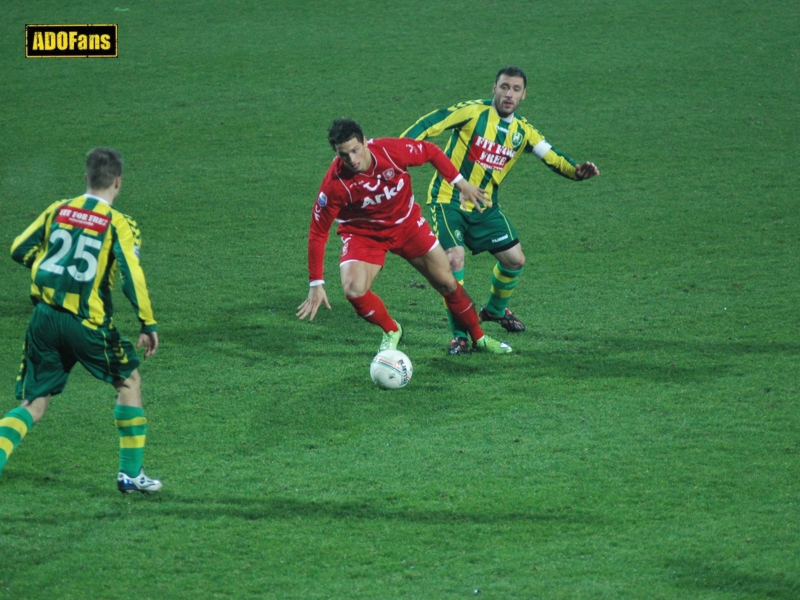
[641, 443]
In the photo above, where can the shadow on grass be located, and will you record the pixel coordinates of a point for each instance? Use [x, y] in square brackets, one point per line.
[698, 576]
[254, 333]
[282, 508]
[17, 307]
[249, 332]
[258, 506]
[289, 508]
[658, 360]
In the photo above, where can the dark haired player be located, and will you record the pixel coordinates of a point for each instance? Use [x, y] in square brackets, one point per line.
[367, 190]
[74, 248]
[487, 139]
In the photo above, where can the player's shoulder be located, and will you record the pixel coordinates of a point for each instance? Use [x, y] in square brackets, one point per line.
[397, 149]
[128, 219]
[388, 145]
[335, 170]
[335, 178]
[479, 104]
[523, 122]
[53, 207]
[526, 126]
[390, 142]
[474, 107]
[117, 216]
[127, 229]
[125, 223]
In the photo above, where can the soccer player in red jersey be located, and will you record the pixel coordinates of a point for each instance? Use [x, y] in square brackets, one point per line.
[367, 191]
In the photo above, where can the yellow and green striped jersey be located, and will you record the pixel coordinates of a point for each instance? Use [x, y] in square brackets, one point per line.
[483, 146]
[74, 249]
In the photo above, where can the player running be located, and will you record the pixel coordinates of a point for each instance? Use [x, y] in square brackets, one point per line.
[367, 190]
[487, 139]
[74, 248]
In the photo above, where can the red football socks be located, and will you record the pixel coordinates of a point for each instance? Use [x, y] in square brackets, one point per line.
[371, 308]
[462, 308]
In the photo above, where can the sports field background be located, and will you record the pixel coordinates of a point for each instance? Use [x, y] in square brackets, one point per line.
[642, 442]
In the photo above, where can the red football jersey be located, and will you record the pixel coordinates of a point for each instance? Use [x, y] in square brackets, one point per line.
[369, 202]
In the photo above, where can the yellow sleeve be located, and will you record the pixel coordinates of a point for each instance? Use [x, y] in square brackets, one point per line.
[27, 244]
[555, 160]
[127, 243]
[438, 121]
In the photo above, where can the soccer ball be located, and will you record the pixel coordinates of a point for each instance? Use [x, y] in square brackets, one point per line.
[391, 369]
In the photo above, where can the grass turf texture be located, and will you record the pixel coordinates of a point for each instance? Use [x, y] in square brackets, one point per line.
[642, 441]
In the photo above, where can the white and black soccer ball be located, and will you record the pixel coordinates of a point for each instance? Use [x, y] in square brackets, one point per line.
[391, 369]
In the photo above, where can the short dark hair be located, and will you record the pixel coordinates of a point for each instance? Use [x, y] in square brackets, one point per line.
[103, 166]
[512, 71]
[344, 129]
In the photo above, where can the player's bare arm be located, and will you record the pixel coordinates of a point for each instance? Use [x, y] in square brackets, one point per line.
[474, 194]
[316, 297]
[587, 170]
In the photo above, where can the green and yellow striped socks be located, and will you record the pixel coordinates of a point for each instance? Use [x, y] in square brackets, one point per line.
[13, 428]
[132, 427]
[503, 283]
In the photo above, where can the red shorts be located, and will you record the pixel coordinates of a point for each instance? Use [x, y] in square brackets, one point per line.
[409, 240]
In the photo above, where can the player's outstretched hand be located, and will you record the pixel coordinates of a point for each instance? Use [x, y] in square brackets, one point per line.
[474, 194]
[316, 296]
[587, 170]
[150, 342]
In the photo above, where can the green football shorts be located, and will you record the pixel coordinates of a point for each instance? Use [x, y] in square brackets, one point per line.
[489, 231]
[56, 340]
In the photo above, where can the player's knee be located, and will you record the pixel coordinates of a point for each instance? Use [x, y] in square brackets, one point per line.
[443, 282]
[130, 389]
[37, 407]
[456, 261]
[514, 262]
[353, 290]
[445, 287]
[134, 380]
[353, 287]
